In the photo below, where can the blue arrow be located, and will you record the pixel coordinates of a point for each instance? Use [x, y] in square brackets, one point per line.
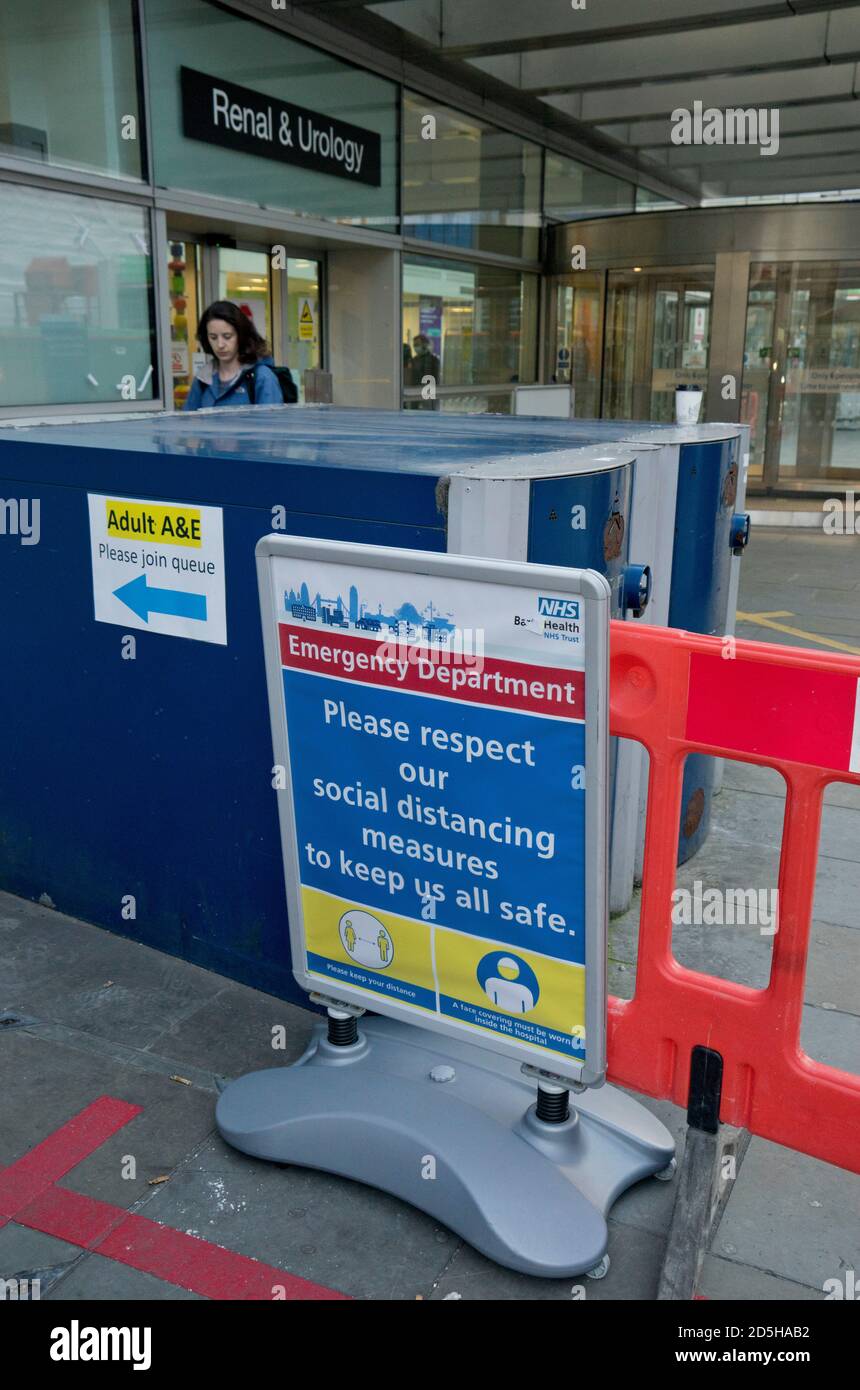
[142, 600]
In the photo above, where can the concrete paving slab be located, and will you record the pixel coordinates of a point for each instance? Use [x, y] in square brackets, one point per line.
[840, 835]
[232, 1032]
[102, 1279]
[32, 1256]
[175, 1121]
[766, 781]
[742, 818]
[90, 979]
[634, 1270]
[335, 1232]
[43, 1086]
[726, 1279]
[751, 777]
[740, 954]
[837, 892]
[791, 1216]
[833, 968]
[796, 561]
[832, 1037]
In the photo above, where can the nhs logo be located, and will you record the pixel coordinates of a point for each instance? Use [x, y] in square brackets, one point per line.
[558, 607]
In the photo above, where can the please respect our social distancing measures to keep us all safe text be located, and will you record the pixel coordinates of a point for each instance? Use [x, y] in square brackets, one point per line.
[436, 741]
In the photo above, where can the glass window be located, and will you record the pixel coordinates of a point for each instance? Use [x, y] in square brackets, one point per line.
[68, 85]
[467, 325]
[468, 184]
[210, 40]
[76, 321]
[646, 201]
[573, 191]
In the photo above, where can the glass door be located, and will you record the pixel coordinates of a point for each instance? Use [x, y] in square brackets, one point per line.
[658, 334]
[577, 340]
[681, 342]
[303, 319]
[801, 389]
[285, 304]
[283, 301]
[245, 278]
[626, 387]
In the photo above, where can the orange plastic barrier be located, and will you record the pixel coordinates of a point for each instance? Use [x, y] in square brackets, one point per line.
[794, 710]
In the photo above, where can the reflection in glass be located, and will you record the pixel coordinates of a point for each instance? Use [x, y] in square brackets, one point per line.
[573, 191]
[210, 38]
[68, 85]
[468, 184]
[243, 278]
[467, 325]
[76, 320]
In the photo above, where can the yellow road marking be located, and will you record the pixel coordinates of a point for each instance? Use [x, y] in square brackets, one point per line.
[768, 620]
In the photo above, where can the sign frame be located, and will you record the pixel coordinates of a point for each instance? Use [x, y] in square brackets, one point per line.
[594, 591]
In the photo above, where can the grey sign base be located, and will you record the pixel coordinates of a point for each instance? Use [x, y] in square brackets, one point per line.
[467, 1147]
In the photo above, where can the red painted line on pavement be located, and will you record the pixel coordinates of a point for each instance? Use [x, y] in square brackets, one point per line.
[71, 1216]
[204, 1268]
[28, 1177]
[30, 1197]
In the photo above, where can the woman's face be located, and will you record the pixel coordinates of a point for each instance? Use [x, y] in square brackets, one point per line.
[223, 339]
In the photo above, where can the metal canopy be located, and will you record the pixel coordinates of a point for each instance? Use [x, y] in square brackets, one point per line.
[619, 68]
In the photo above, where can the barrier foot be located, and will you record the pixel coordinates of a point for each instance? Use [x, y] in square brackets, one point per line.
[453, 1129]
[712, 1159]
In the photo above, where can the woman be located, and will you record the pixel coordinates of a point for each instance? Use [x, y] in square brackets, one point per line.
[231, 338]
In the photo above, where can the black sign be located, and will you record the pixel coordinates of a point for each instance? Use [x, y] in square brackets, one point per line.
[222, 113]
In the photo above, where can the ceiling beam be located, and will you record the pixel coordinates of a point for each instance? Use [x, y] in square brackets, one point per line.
[470, 31]
[649, 101]
[792, 43]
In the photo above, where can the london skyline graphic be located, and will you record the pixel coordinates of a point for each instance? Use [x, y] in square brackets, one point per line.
[405, 619]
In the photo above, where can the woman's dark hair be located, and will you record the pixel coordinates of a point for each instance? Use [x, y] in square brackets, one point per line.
[251, 346]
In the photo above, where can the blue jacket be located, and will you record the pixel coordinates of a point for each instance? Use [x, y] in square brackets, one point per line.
[216, 392]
